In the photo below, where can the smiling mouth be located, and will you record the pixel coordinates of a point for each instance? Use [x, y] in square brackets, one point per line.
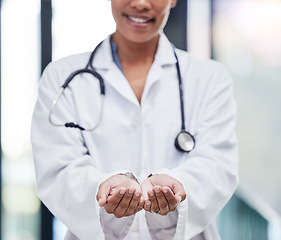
[139, 20]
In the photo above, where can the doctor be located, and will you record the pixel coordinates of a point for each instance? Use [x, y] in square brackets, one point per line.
[126, 179]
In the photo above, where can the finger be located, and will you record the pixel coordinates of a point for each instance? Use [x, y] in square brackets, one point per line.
[124, 204]
[102, 201]
[145, 188]
[154, 204]
[147, 205]
[103, 192]
[171, 198]
[114, 200]
[179, 191]
[133, 204]
[179, 198]
[162, 201]
[140, 205]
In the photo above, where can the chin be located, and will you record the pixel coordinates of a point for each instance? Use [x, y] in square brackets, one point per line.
[143, 39]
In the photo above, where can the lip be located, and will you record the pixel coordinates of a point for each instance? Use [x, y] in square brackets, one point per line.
[139, 21]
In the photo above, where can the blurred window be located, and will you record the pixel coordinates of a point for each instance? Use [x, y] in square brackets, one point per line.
[78, 26]
[20, 70]
[246, 38]
[199, 28]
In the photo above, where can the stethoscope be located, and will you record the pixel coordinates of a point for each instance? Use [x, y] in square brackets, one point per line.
[184, 141]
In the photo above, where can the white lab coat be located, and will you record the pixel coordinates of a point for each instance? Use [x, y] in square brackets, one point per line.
[137, 138]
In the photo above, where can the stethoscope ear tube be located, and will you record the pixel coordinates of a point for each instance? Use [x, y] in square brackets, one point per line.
[86, 70]
[53, 106]
[72, 124]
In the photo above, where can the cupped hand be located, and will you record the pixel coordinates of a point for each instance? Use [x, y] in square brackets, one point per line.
[120, 195]
[162, 193]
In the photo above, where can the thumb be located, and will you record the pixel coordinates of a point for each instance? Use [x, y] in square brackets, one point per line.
[104, 190]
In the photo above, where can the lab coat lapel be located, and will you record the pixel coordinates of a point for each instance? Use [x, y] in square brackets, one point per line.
[155, 73]
[118, 81]
[112, 75]
[163, 58]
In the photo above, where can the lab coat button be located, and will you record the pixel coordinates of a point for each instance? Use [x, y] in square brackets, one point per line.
[137, 122]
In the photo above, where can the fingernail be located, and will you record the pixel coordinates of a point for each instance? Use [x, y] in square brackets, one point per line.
[157, 190]
[122, 191]
[137, 194]
[131, 191]
[147, 203]
[151, 194]
[165, 190]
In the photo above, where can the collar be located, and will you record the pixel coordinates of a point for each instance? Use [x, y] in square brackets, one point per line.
[164, 54]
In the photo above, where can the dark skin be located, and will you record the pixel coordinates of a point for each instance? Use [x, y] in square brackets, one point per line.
[123, 196]
[138, 27]
[135, 68]
[120, 195]
[163, 192]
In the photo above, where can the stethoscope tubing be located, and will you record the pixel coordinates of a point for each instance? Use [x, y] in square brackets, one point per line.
[180, 143]
[88, 69]
[71, 124]
[180, 93]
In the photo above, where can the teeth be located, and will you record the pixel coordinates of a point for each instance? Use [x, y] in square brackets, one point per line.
[138, 20]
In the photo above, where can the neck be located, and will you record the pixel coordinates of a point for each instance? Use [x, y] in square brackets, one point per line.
[134, 52]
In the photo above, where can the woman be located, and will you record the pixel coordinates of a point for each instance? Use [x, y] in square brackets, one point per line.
[129, 162]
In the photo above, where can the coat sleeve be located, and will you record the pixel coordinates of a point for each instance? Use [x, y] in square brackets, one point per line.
[67, 177]
[209, 173]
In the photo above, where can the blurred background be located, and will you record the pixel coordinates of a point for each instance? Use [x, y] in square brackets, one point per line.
[245, 35]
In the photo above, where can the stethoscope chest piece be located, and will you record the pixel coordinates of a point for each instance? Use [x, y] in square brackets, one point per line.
[184, 141]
